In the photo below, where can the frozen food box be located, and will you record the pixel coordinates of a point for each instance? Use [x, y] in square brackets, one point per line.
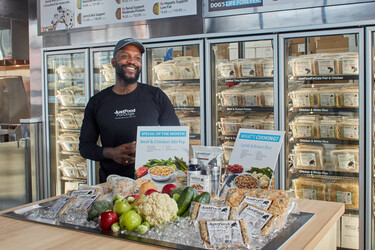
[303, 66]
[349, 129]
[348, 64]
[345, 191]
[346, 158]
[349, 97]
[303, 98]
[228, 69]
[308, 157]
[311, 189]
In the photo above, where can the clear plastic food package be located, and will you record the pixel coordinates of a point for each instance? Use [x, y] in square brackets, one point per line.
[123, 186]
[308, 157]
[346, 158]
[310, 188]
[303, 98]
[345, 191]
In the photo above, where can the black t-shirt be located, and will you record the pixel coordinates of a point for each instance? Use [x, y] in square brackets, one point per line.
[116, 118]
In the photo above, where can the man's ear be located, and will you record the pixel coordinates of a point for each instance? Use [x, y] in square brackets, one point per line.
[113, 62]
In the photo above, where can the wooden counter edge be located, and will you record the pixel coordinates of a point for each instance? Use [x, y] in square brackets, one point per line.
[326, 214]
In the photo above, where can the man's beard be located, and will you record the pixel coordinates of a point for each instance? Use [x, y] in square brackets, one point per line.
[120, 72]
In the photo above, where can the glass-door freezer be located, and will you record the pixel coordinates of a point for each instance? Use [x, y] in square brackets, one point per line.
[65, 96]
[176, 68]
[242, 88]
[323, 116]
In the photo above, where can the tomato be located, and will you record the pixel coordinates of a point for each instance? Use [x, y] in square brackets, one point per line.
[106, 219]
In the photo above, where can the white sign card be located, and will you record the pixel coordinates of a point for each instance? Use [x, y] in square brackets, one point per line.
[70, 14]
[257, 148]
[159, 143]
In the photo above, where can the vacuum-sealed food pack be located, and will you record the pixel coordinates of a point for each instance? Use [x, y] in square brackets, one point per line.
[328, 129]
[303, 66]
[167, 71]
[280, 200]
[303, 98]
[231, 98]
[305, 126]
[325, 65]
[349, 97]
[348, 64]
[57, 207]
[310, 188]
[228, 69]
[206, 212]
[346, 158]
[250, 68]
[349, 129]
[229, 233]
[328, 97]
[345, 191]
[123, 186]
[267, 67]
[69, 142]
[110, 182]
[308, 157]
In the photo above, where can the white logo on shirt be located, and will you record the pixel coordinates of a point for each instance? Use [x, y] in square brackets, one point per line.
[124, 114]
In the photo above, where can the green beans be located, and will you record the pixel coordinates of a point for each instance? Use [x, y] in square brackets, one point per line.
[177, 163]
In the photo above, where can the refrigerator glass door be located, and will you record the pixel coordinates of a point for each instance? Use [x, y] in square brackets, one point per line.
[176, 69]
[242, 86]
[66, 92]
[323, 123]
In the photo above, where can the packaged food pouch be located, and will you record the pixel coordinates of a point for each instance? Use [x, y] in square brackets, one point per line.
[228, 69]
[304, 128]
[229, 233]
[308, 157]
[303, 66]
[346, 158]
[123, 186]
[328, 97]
[167, 71]
[345, 191]
[328, 129]
[206, 212]
[308, 188]
[349, 129]
[348, 64]
[303, 98]
[349, 97]
[325, 65]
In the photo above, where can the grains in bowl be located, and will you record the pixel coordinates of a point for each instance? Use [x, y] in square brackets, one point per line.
[246, 181]
[161, 170]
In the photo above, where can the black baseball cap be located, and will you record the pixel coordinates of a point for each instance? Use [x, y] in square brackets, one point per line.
[123, 42]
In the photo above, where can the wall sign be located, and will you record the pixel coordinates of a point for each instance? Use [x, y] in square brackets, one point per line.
[70, 14]
[215, 5]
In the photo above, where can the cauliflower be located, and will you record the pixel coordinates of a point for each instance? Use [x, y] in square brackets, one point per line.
[158, 208]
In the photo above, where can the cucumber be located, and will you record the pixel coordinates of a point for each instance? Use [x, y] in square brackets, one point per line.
[186, 213]
[204, 197]
[185, 199]
[180, 189]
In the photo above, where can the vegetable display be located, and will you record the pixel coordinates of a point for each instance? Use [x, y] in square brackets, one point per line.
[266, 171]
[106, 219]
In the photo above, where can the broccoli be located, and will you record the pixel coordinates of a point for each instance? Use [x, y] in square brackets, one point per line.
[97, 208]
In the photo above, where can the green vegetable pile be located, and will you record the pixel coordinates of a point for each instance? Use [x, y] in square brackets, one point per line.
[266, 171]
[177, 163]
[97, 208]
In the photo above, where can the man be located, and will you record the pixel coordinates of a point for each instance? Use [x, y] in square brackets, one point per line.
[115, 112]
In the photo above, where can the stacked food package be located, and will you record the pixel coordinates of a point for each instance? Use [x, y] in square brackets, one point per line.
[179, 77]
[323, 116]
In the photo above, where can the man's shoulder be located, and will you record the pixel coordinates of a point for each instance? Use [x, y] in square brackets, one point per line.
[103, 93]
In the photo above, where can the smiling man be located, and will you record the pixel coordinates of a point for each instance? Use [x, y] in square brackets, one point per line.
[115, 113]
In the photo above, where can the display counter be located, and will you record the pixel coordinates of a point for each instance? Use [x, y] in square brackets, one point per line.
[318, 232]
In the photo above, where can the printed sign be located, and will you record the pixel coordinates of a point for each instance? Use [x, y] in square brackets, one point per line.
[257, 148]
[160, 151]
[70, 14]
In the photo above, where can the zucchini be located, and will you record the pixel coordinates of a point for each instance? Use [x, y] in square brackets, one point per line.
[204, 197]
[185, 199]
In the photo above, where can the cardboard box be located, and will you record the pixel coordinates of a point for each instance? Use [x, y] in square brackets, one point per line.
[350, 231]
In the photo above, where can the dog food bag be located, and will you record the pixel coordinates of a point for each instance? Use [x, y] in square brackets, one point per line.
[345, 191]
[308, 157]
[303, 66]
[303, 97]
[348, 64]
[346, 158]
[309, 188]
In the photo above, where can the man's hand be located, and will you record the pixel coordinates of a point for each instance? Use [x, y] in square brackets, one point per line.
[123, 154]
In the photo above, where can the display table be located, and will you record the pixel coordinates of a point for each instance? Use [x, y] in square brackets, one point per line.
[319, 232]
